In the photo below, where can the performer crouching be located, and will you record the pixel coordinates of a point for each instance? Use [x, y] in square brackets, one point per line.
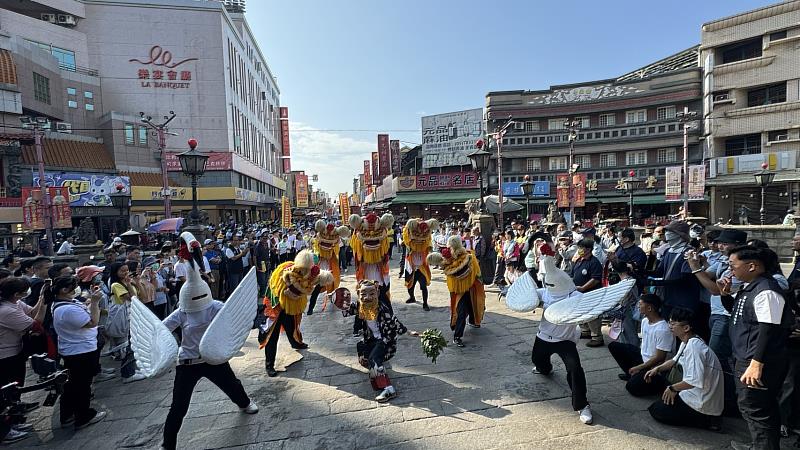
[467, 297]
[287, 297]
[379, 331]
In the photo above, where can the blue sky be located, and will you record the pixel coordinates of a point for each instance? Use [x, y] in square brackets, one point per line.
[380, 65]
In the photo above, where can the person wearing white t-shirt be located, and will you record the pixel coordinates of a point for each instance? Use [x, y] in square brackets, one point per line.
[698, 399]
[657, 344]
[75, 324]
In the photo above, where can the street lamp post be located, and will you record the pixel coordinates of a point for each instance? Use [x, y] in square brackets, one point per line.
[480, 160]
[498, 139]
[631, 183]
[764, 179]
[572, 126]
[193, 164]
[686, 117]
[161, 131]
[37, 124]
[527, 190]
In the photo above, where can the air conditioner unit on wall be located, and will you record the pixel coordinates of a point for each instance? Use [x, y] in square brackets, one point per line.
[65, 19]
[782, 137]
[48, 17]
[519, 126]
[64, 127]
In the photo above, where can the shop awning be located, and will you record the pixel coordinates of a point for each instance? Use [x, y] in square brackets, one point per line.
[651, 199]
[434, 197]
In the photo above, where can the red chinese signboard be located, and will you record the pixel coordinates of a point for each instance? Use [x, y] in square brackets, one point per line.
[33, 208]
[301, 190]
[384, 157]
[216, 161]
[562, 191]
[283, 113]
[344, 206]
[442, 181]
[367, 173]
[579, 190]
[394, 150]
[376, 172]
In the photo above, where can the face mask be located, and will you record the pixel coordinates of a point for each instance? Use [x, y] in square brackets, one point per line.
[76, 292]
[672, 237]
[155, 267]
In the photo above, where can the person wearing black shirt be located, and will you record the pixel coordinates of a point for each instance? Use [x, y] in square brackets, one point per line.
[587, 274]
[760, 324]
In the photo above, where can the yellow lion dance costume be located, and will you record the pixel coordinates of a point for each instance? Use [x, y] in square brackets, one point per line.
[418, 243]
[286, 299]
[467, 297]
[326, 247]
[370, 244]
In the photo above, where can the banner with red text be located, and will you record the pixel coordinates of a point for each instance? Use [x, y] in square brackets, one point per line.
[344, 206]
[286, 212]
[562, 190]
[284, 119]
[672, 185]
[376, 171]
[301, 190]
[367, 173]
[33, 208]
[579, 189]
[697, 182]
[384, 157]
[394, 151]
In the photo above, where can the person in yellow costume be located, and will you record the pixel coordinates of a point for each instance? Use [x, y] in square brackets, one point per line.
[467, 297]
[326, 247]
[370, 244]
[286, 299]
[418, 243]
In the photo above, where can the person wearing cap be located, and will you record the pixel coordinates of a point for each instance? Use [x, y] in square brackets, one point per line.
[597, 251]
[214, 258]
[630, 253]
[674, 281]
[565, 251]
[587, 274]
[576, 231]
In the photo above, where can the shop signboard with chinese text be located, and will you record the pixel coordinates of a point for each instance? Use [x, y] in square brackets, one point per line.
[394, 150]
[384, 157]
[344, 206]
[216, 161]
[697, 182]
[438, 181]
[301, 190]
[447, 139]
[286, 212]
[284, 119]
[673, 184]
[540, 189]
[562, 190]
[579, 190]
[367, 173]
[159, 70]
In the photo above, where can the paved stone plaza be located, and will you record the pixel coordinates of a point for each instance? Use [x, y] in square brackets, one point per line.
[482, 396]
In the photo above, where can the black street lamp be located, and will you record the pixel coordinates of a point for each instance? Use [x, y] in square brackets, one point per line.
[120, 200]
[630, 184]
[527, 190]
[480, 160]
[193, 164]
[763, 180]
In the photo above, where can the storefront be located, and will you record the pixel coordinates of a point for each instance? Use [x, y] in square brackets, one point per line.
[222, 204]
[440, 196]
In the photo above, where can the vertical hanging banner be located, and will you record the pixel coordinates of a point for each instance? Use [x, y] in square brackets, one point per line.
[384, 157]
[284, 119]
[562, 190]
[697, 182]
[286, 212]
[301, 191]
[33, 208]
[672, 185]
[344, 206]
[394, 151]
[61, 212]
[579, 190]
[376, 172]
[367, 174]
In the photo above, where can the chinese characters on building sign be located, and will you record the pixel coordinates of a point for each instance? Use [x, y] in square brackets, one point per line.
[394, 150]
[163, 72]
[697, 182]
[301, 185]
[673, 183]
[438, 181]
[376, 171]
[384, 156]
[284, 119]
[447, 139]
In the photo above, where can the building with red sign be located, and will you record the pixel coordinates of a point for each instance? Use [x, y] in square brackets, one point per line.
[200, 60]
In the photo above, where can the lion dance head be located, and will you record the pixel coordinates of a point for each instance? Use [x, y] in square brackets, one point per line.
[460, 267]
[328, 237]
[417, 234]
[370, 241]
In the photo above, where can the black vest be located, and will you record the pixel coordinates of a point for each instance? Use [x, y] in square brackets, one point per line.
[744, 328]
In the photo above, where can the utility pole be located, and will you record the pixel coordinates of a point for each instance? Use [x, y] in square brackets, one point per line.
[48, 221]
[685, 117]
[498, 138]
[572, 126]
[161, 132]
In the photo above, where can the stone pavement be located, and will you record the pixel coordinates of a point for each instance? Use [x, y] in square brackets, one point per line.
[482, 396]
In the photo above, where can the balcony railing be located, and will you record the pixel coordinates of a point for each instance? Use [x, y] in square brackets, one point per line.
[594, 134]
[733, 165]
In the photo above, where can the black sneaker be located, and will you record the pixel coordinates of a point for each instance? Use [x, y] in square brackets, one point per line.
[271, 372]
[624, 376]
[425, 307]
[301, 347]
[98, 416]
[411, 300]
[458, 342]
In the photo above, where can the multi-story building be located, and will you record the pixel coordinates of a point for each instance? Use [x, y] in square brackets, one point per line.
[625, 123]
[752, 109]
[200, 60]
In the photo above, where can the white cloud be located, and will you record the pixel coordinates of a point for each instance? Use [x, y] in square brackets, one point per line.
[335, 158]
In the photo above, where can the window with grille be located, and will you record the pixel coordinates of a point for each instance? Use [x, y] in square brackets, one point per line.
[743, 145]
[532, 126]
[637, 158]
[533, 164]
[556, 124]
[129, 134]
[638, 116]
[742, 50]
[665, 112]
[558, 163]
[583, 122]
[667, 155]
[585, 161]
[143, 136]
[607, 119]
[608, 159]
[41, 88]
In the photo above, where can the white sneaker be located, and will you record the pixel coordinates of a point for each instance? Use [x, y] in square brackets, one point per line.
[109, 370]
[386, 395]
[586, 415]
[252, 408]
[14, 436]
[138, 376]
[97, 418]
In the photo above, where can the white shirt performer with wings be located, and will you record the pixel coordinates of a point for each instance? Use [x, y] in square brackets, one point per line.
[212, 332]
[564, 308]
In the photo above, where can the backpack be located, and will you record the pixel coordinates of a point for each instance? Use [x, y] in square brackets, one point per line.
[50, 330]
[118, 322]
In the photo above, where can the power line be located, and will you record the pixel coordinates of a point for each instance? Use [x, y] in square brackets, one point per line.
[228, 129]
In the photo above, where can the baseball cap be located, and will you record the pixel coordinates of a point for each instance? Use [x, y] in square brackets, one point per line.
[207, 241]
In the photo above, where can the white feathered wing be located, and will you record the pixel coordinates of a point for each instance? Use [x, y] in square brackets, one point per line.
[153, 344]
[522, 295]
[226, 334]
[589, 306]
